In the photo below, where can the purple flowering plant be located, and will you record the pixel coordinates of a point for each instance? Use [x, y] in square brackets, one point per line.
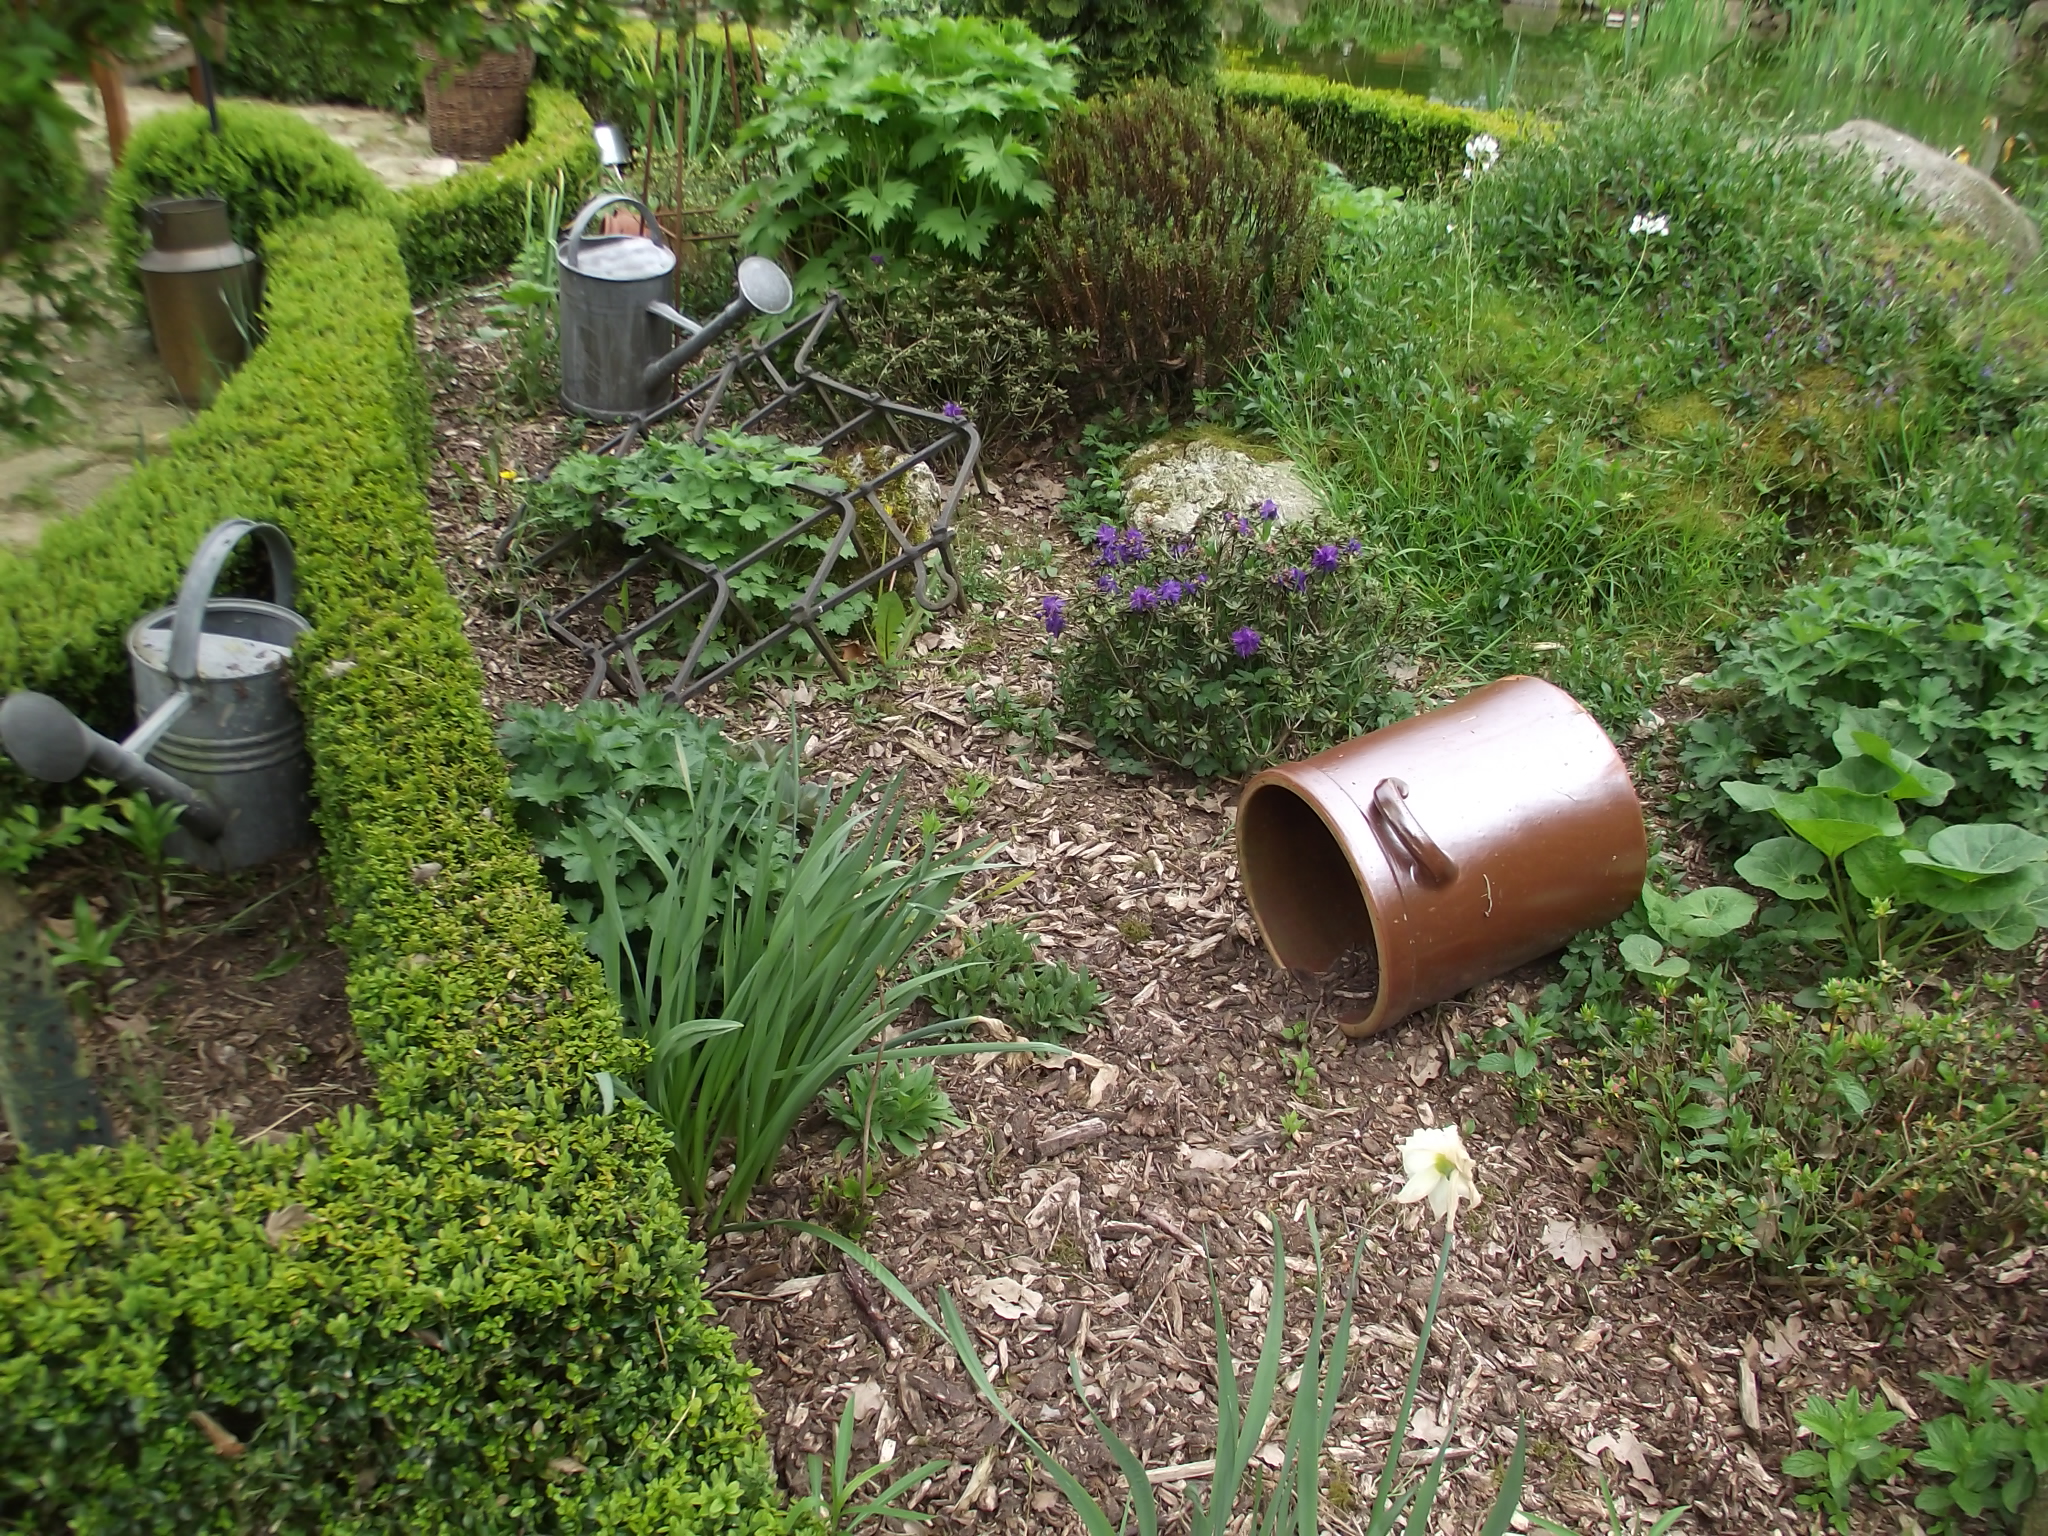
[1243, 641]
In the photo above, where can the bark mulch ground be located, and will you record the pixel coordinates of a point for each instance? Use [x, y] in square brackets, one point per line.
[1082, 1206]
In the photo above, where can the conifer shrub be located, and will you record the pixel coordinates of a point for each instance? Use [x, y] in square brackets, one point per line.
[1182, 230]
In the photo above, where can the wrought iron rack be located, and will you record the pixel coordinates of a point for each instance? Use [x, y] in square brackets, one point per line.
[752, 391]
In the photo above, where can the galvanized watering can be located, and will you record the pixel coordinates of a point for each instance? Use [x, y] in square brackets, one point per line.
[219, 732]
[617, 324]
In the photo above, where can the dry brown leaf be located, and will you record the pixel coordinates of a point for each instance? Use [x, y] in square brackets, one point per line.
[1574, 1244]
[281, 1224]
[1208, 1159]
[568, 1464]
[1785, 1341]
[1625, 1448]
[1005, 1297]
[223, 1442]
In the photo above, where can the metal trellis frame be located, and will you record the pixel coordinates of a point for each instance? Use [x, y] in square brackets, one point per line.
[755, 391]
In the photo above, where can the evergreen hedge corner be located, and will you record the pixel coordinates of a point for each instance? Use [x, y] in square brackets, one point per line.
[479, 1309]
[472, 224]
[1377, 138]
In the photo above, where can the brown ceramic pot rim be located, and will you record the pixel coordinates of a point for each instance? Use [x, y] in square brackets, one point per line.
[1349, 824]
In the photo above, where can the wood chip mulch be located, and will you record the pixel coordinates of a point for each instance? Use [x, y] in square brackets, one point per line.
[1082, 1205]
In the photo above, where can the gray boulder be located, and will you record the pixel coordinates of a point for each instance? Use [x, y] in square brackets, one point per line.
[1171, 483]
[1950, 192]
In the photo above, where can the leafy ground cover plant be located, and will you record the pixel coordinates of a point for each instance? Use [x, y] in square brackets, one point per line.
[999, 974]
[713, 502]
[1847, 1137]
[924, 138]
[1990, 1460]
[1940, 630]
[1179, 233]
[893, 1105]
[610, 786]
[1224, 649]
[1853, 856]
[1850, 1452]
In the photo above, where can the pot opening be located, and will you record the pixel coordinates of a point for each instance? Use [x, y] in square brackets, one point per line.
[1303, 891]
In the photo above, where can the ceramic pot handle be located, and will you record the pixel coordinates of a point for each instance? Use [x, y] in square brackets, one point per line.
[1390, 801]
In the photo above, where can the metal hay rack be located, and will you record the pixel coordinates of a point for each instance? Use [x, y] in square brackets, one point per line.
[771, 386]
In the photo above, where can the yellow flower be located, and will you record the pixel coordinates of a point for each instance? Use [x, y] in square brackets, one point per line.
[508, 474]
[1439, 1170]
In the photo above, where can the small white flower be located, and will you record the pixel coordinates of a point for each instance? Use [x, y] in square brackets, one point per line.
[1439, 1170]
[1482, 149]
[1649, 224]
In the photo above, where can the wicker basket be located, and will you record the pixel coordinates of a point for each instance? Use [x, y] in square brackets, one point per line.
[474, 113]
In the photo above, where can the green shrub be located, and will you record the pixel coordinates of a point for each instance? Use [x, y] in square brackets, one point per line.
[1942, 630]
[1180, 233]
[595, 780]
[269, 164]
[304, 55]
[1227, 651]
[489, 1318]
[1123, 41]
[925, 138]
[1377, 138]
[473, 224]
[999, 974]
[929, 332]
[1748, 243]
[1806, 1138]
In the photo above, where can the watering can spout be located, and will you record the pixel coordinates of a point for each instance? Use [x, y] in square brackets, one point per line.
[49, 742]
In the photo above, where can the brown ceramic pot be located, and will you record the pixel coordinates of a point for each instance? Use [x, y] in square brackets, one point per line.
[1448, 849]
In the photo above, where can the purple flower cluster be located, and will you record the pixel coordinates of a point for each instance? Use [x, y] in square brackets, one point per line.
[1294, 579]
[953, 410]
[1119, 546]
[1244, 641]
[1053, 609]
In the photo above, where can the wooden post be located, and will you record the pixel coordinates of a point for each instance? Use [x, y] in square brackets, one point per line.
[113, 89]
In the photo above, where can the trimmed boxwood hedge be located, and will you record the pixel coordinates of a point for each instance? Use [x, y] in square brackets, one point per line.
[1377, 138]
[270, 165]
[490, 1317]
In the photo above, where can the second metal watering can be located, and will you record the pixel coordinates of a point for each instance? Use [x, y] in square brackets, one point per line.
[219, 732]
[617, 325]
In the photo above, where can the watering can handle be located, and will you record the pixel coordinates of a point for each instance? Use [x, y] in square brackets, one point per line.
[204, 571]
[1390, 800]
[605, 200]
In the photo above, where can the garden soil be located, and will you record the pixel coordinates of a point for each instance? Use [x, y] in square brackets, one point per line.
[237, 1018]
[1186, 1130]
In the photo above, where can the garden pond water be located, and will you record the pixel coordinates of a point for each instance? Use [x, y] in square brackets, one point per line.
[1498, 54]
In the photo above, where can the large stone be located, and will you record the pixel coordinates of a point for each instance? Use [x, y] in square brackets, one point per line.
[1169, 485]
[1950, 191]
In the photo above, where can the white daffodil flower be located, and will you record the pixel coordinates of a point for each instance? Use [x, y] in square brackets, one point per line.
[1439, 1170]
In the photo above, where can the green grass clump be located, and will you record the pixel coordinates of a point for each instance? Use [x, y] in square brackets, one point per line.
[1599, 394]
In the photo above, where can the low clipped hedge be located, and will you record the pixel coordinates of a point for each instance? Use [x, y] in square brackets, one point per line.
[472, 224]
[477, 1309]
[271, 165]
[1377, 138]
